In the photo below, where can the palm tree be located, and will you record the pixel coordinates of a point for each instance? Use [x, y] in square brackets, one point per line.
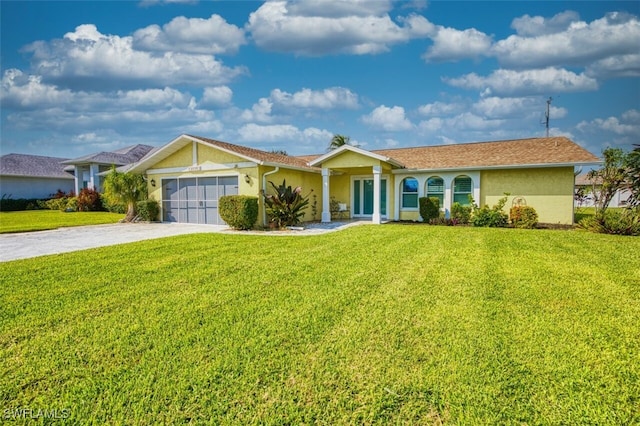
[125, 188]
[337, 141]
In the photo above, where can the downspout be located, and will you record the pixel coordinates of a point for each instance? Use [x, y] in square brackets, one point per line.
[264, 190]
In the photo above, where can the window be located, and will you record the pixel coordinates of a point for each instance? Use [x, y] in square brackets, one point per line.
[410, 193]
[435, 189]
[462, 188]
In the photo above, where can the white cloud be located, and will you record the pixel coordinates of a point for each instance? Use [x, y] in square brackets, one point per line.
[191, 35]
[260, 111]
[431, 125]
[389, 119]
[252, 132]
[440, 108]
[319, 28]
[580, 44]
[20, 90]
[450, 44]
[87, 55]
[627, 125]
[526, 82]
[339, 8]
[216, 97]
[331, 98]
[615, 66]
[528, 26]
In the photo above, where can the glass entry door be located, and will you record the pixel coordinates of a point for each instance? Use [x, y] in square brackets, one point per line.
[363, 197]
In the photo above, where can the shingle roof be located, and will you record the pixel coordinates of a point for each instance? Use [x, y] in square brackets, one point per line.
[121, 157]
[33, 166]
[509, 153]
[520, 152]
[256, 154]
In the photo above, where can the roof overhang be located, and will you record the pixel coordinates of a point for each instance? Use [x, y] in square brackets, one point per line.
[497, 167]
[336, 152]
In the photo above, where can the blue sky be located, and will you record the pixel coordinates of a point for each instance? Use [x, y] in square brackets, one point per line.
[81, 77]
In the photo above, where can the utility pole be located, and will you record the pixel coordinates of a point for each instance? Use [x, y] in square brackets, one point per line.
[547, 114]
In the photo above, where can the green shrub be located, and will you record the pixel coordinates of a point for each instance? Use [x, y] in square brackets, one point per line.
[286, 206]
[460, 214]
[239, 211]
[523, 217]
[113, 206]
[89, 200]
[614, 221]
[429, 208]
[492, 217]
[62, 203]
[148, 210]
[18, 204]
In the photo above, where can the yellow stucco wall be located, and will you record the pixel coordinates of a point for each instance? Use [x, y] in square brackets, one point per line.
[548, 190]
[349, 159]
[310, 182]
[182, 158]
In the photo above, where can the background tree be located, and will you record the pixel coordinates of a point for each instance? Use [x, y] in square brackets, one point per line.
[125, 188]
[337, 141]
[633, 176]
[607, 180]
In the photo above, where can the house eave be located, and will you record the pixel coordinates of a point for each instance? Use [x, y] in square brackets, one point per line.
[496, 167]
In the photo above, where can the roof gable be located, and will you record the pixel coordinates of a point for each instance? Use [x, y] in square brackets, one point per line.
[353, 149]
[249, 154]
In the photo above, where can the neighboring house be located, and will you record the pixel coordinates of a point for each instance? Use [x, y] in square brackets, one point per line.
[89, 170]
[585, 186]
[189, 174]
[33, 176]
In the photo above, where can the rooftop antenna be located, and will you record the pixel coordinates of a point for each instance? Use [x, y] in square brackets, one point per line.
[546, 114]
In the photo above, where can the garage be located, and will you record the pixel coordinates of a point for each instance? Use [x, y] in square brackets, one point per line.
[195, 199]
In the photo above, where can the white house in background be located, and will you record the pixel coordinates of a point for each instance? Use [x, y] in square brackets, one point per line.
[36, 176]
[584, 183]
[33, 176]
[87, 170]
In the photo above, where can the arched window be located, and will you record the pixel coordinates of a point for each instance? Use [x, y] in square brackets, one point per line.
[410, 193]
[462, 188]
[435, 188]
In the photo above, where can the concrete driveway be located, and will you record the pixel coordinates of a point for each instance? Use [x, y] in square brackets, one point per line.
[32, 244]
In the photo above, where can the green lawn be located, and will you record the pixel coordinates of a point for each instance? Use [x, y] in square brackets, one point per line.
[392, 324]
[40, 220]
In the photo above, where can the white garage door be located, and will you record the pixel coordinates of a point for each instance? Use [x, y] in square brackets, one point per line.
[195, 200]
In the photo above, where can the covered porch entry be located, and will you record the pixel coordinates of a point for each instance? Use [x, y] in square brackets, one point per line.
[359, 179]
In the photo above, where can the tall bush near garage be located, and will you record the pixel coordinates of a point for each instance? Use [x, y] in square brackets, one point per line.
[148, 210]
[285, 207]
[239, 211]
[126, 188]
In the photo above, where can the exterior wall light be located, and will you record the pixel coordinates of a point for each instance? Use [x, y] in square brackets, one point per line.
[247, 179]
[153, 183]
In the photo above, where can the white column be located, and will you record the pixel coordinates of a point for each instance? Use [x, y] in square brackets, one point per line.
[94, 179]
[376, 218]
[326, 212]
[448, 195]
[77, 172]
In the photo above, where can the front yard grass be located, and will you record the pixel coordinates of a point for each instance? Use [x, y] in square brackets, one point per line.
[389, 324]
[41, 220]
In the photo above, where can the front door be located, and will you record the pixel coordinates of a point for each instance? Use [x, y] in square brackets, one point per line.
[363, 197]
